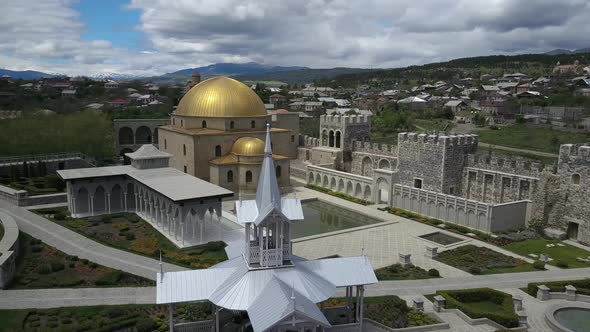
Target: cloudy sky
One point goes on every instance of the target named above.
(145, 37)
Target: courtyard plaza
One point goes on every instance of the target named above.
(380, 242)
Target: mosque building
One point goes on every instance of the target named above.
(217, 132)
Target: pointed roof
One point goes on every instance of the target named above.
(148, 151)
(268, 195)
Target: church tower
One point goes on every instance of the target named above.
(268, 218)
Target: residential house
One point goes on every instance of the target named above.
(68, 93)
(412, 103)
(307, 106)
(119, 102)
(456, 105)
(277, 99)
(111, 85)
(508, 86)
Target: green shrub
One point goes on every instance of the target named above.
(115, 312)
(60, 216)
(433, 273)
(57, 266)
(43, 269)
(146, 325)
(474, 270)
(93, 265)
(461, 300)
(36, 249)
(109, 279)
(85, 261)
(539, 265)
(562, 264)
(72, 265)
(130, 237)
(215, 246)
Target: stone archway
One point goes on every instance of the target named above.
(384, 164)
(382, 191)
(331, 139)
(99, 201)
(367, 167)
(131, 197)
(325, 182)
(82, 201)
(143, 135)
(367, 195)
(358, 191)
(340, 185)
(116, 199)
(324, 137)
(349, 188)
(338, 139)
(126, 135)
(310, 179)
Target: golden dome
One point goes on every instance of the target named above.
(221, 97)
(248, 146)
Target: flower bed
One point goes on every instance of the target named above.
(408, 272)
(483, 302)
(42, 266)
(481, 260)
(127, 231)
(338, 194)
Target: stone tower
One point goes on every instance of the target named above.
(434, 162)
(337, 133)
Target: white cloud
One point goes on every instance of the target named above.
(46, 34)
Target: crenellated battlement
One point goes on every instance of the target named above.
(308, 141)
(574, 153)
(512, 165)
(374, 148)
(339, 120)
(436, 139)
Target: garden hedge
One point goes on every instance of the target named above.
(461, 299)
(582, 286)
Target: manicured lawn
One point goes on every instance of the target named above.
(537, 139)
(127, 231)
(433, 125)
(409, 272)
(388, 310)
(481, 302)
(566, 254)
(101, 318)
(42, 266)
(481, 260)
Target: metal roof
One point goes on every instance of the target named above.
(148, 151)
(279, 303)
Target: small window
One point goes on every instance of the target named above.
(576, 178)
(184, 149)
(418, 183)
(185, 168)
(231, 125)
(253, 124)
(230, 176)
(165, 144)
(182, 123)
(452, 190)
(292, 138)
(204, 124)
(173, 121)
(278, 171)
(248, 177)
(218, 151)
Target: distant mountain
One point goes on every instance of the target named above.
(560, 51)
(306, 75)
(227, 69)
(25, 74)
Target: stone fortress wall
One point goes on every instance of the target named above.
(562, 202)
(513, 189)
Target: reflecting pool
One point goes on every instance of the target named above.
(323, 217)
(575, 319)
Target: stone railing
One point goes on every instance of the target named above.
(484, 217)
(42, 157)
(22, 197)
(352, 327)
(354, 185)
(570, 294)
(202, 326)
(8, 249)
(376, 326)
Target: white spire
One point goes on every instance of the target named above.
(267, 192)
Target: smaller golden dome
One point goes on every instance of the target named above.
(248, 146)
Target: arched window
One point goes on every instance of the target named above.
(204, 124)
(278, 171)
(217, 151)
(231, 125)
(173, 121)
(184, 149)
(576, 178)
(230, 176)
(253, 124)
(248, 177)
(165, 144)
(182, 123)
